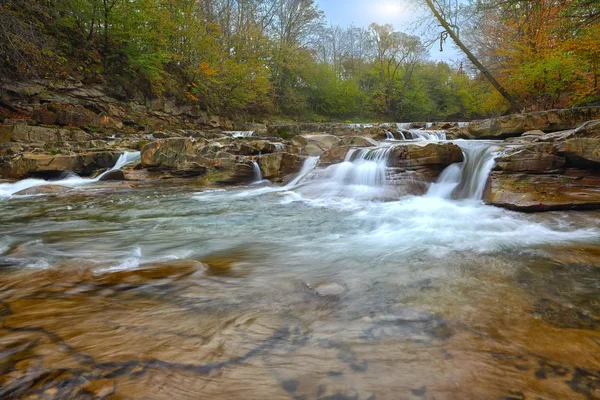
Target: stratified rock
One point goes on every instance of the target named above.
(44, 189)
(516, 124)
(38, 134)
(538, 157)
(425, 154)
(39, 164)
(278, 165)
(170, 152)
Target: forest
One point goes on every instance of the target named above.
(282, 58)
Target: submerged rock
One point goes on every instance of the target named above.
(329, 290)
(315, 145)
(44, 190)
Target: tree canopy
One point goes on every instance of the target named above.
(281, 57)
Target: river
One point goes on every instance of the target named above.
(321, 289)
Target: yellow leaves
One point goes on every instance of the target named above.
(206, 69)
(191, 96)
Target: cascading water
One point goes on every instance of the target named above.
(404, 125)
(418, 134)
(361, 176)
(466, 180)
(72, 180)
(257, 174)
(389, 135)
(240, 134)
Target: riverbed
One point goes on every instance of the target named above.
(264, 292)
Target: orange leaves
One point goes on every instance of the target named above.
(206, 69)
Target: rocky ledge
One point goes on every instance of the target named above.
(544, 172)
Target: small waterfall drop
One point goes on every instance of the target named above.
(71, 180)
(389, 135)
(404, 125)
(240, 134)
(257, 174)
(309, 164)
(361, 176)
(466, 180)
(418, 134)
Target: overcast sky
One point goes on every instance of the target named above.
(400, 13)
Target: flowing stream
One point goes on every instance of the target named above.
(326, 288)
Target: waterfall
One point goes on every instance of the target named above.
(360, 126)
(402, 134)
(71, 180)
(240, 134)
(418, 134)
(404, 125)
(466, 180)
(361, 176)
(389, 135)
(309, 164)
(257, 174)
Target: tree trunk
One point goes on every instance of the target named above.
(513, 104)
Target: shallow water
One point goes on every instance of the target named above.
(260, 293)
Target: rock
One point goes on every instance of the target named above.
(111, 123)
(28, 164)
(169, 152)
(39, 134)
(314, 145)
(277, 165)
(582, 152)
(44, 189)
(517, 124)
(329, 290)
(78, 116)
(425, 154)
(573, 190)
(356, 141)
(334, 155)
(539, 157)
(535, 132)
(116, 175)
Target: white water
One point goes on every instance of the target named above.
(418, 134)
(404, 125)
(389, 135)
(360, 126)
(257, 174)
(240, 134)
(361, 176)
(466, 180)
(72, 180)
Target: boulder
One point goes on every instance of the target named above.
(28, 164)
(425, 154)
(314, 145)
(356, 141)
(278, 165)
(334, 155)
(116, 175)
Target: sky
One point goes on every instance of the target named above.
(401, 13)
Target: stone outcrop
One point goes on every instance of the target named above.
(517, 124)
(22, 133)
(556, 171)
(45, 165)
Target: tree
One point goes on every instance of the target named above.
(438, 12)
